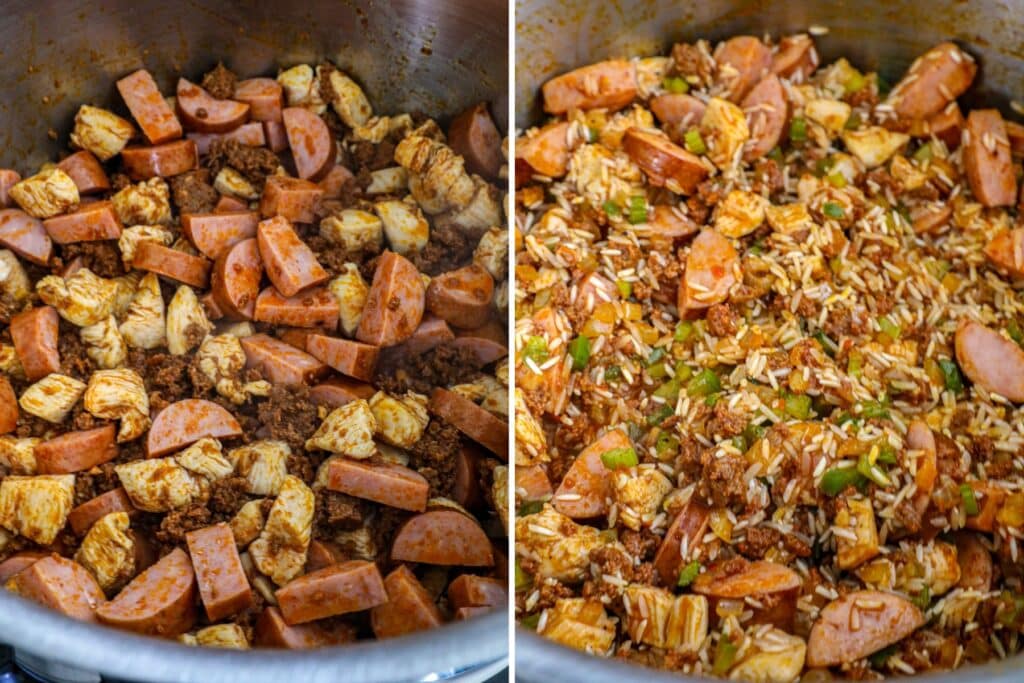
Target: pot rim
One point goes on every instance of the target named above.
(449, 649)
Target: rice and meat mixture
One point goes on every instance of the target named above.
(769, 367)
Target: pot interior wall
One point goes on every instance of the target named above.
(436, 57)
(886, 35)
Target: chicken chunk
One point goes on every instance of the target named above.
(104, 343)
(347, 430)
(347, 99)
(301, 89)
(206, 459)
(101, 132)
(108, 552)
(36, 507)
(131, 237)
(560, 546)
(581, 624)
(52, 397)
(491, 253)
(46, 194)
(119, 394)
(264, 464)
(18, 454)
(248, 522)
(724, 127)
(350, 290)
(187, 324)
(14, 282)
(280, 550)
(639, 496)
(531, 444)
(221, 359)
(83, 298)
(146, 203)
(160, 484)
(656, 617)
(400, 421)
(740, 213)
(143, 326)
(405, 227)
(354, 230)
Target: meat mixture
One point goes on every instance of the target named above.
(769, 359)
(248, 395)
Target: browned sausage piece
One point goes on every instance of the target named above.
(990, 360)
(461, 297)
(466, 480)
(947, 125)
(742, 61)
(927, 218)
(228, 204)
(975, 562)
(766, 110)
(409, 607)
(76, 451)
(322, 555)
(987, 159)
(160, 601)
(8, 406)
(314, 307)
(264, 97)
(223, 585)
(839, 637)
(484, 351)
(710, 272)
(463, 613)
(235, 280)
(294, 199)
(34, 333)
(606, 85)
(382, 482)
(473, 135)
(678, 109)
(311, 141)
(665, 163)
(351, 586)
(936, 78)
(177, 265)
(1006, 252)
(472, 420)
(18, 562)
(431, 333)
(1015, 132)
(690, 524)
(281, 363)
(149, 108)
(25, 236)
(670, 222)
(547, 152)
(185, 422)
(394, 304)
(8, 179)
(164, 161)
(532, 483)
(587, 486)
(444, 537)
(204, 113)
(296, 336)
(214, 233)
(774, 586)
(334, 181)
(470, 590)
(60, 584)
(90, 223)
(290, 264)
(250, 134)
(347, 357)
(796, 59)
(82, 517)
(86, 172)
(272, 631)
(277, 137)
(339, 391)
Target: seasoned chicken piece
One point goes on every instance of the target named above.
(934, 565)
(104, 343)
(346, 97)
(491, 253)
(405, 227)
(740, 213)
(829, 114)
(499, 494)
(227, 636)
(639, 494)
(18, 454)
(874, 145)
(301, 89)
(531, 444)
(101, 132)
(580, 623)
(108, 552)
(143, 326)
(10, 364)
(221, 359)
(206, 459)
(400, 421)
(615, 128)
(239, 329)
(131, 237)
(14, 282)
(724, 128)
(358, 543)
(856, 516)
(496, 401)
(233, 184)
(377, 128)
(656, 617)
(393, 180)
(119, 394)
(187, 324)
(36, 507)
(83, 298)
(347, 430)
(788, 218)
(264, 464)
(560, 546)
(350, 290)
(478, 389)
(773, 657)
(354, 230)
(248, 522)
(280, 550)
(52, 397)
(145, 203)
(46, 194)
(483, 211)
(160, 484)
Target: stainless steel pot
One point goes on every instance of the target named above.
(435, 57)
(553, 36)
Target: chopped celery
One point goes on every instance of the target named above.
(579, 349)
(619, 457)
(969, 499)
(837, 479)
(676, 85)
(798, 406)
(688, 573)
(951, 375)
(536, 349)
(706, 382)
(694, 142)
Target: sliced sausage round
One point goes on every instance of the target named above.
(223, 585)
(34, 333)
(394, 304)
(766, 110)
(235, 281)
(314, 307)
(663, 161)
(443, 537)
(163, 161)
(281, 363)
(290, 264)
(679, 110)
(607, 85)
(25, 236)
(265, 98)
(60, 584)
(470, 590)
(250, 134)
(18, 562)
(987, 159)
(937, 77)
(339, 391)
(689, 524)
(82, 517)
(272, 631)
(990, 360)
(409, 607)
(89, 223)
(311, 141)
(976, 567)
(587, 486)
(547, 152)
(86, 172)
(461, 297)
(185, 422)
(742, 61)
(472, 420)
(172, 263)
(710, 272)
(796, 59)
(351, 586)
(473, 135)
(202, 112)
(382, 482)
(838, 637)
(8, 406)
(344, 355)
(149, 108)
(160, 601)
(76, 451)
(213, 234)
(294, 199)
